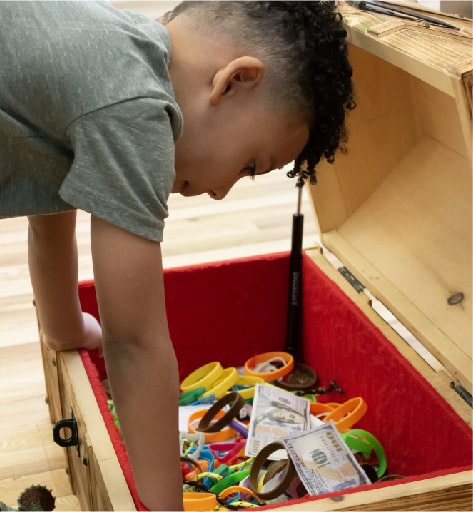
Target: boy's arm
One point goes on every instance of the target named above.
(140, 360)
(52, 260)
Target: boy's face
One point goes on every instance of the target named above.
(212, 157)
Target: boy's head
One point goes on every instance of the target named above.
(284, 68)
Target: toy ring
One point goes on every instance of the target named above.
(252, 365)
(347, 414)
(259, 461)
(206, 425)
(210, 437)
(202, 377)
(199, 501)
(301, 377)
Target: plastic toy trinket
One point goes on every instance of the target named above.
(36, 497)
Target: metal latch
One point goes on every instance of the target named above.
(66, 433)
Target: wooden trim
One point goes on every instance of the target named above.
(103, 454)
(449, 492)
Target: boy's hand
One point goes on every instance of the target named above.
(92, 332)
(91, 337)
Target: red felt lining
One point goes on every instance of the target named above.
(231, 310)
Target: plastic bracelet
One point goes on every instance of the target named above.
(199, 501)
(224, 382)
(240, 465)
(347, 414)
(260, 459)
(206, 425)
(233, 489)
(191, 396)
(209, 474)
(239, 504)
(229, 481)
(193, 464)
(197, 438)
(273, 469)
(203, 377)
(210, 437)
(227, 452)
(278, 373)
(356, 438)
(301, 377)
(248, 383)
(317, 408)
(357, 445)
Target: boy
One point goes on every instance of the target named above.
(108, 111)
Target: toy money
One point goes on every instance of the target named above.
(323, 461)
(276, 414)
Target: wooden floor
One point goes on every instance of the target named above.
(255, 218)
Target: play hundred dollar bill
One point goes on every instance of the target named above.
(276, 414)
(323, 461)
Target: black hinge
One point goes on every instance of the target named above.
(462, 392)
(351, 279)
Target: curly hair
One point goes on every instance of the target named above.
(304, 48)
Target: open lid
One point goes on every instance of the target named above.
(396, 207)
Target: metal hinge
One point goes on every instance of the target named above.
(464, 394)
(351, 279)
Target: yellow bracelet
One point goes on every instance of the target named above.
(249, 384)
(203, 377)
(225, 381)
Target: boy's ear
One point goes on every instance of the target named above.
(241, 73)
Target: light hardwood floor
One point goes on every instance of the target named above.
(255, 218)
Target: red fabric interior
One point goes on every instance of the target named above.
(231, 310)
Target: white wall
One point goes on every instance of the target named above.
(461, 7)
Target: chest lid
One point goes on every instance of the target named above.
(396, 207)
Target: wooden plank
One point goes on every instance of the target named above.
(94, 437)
(437, 55)
(449, 492)
(403, 245)
(397, 207)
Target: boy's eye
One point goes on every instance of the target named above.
(250, 170)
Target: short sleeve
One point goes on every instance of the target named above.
(123, 164)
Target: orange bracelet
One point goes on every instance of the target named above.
(238, 489)
(210, 437)
(199, 501)
(317, 408)
(260, 359)
(347, 414)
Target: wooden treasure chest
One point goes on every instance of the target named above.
(394, 213)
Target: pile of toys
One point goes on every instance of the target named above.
(257, 435)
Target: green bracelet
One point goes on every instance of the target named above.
(362, 441)
(231, 479)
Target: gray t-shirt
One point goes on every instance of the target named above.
(88, 117)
